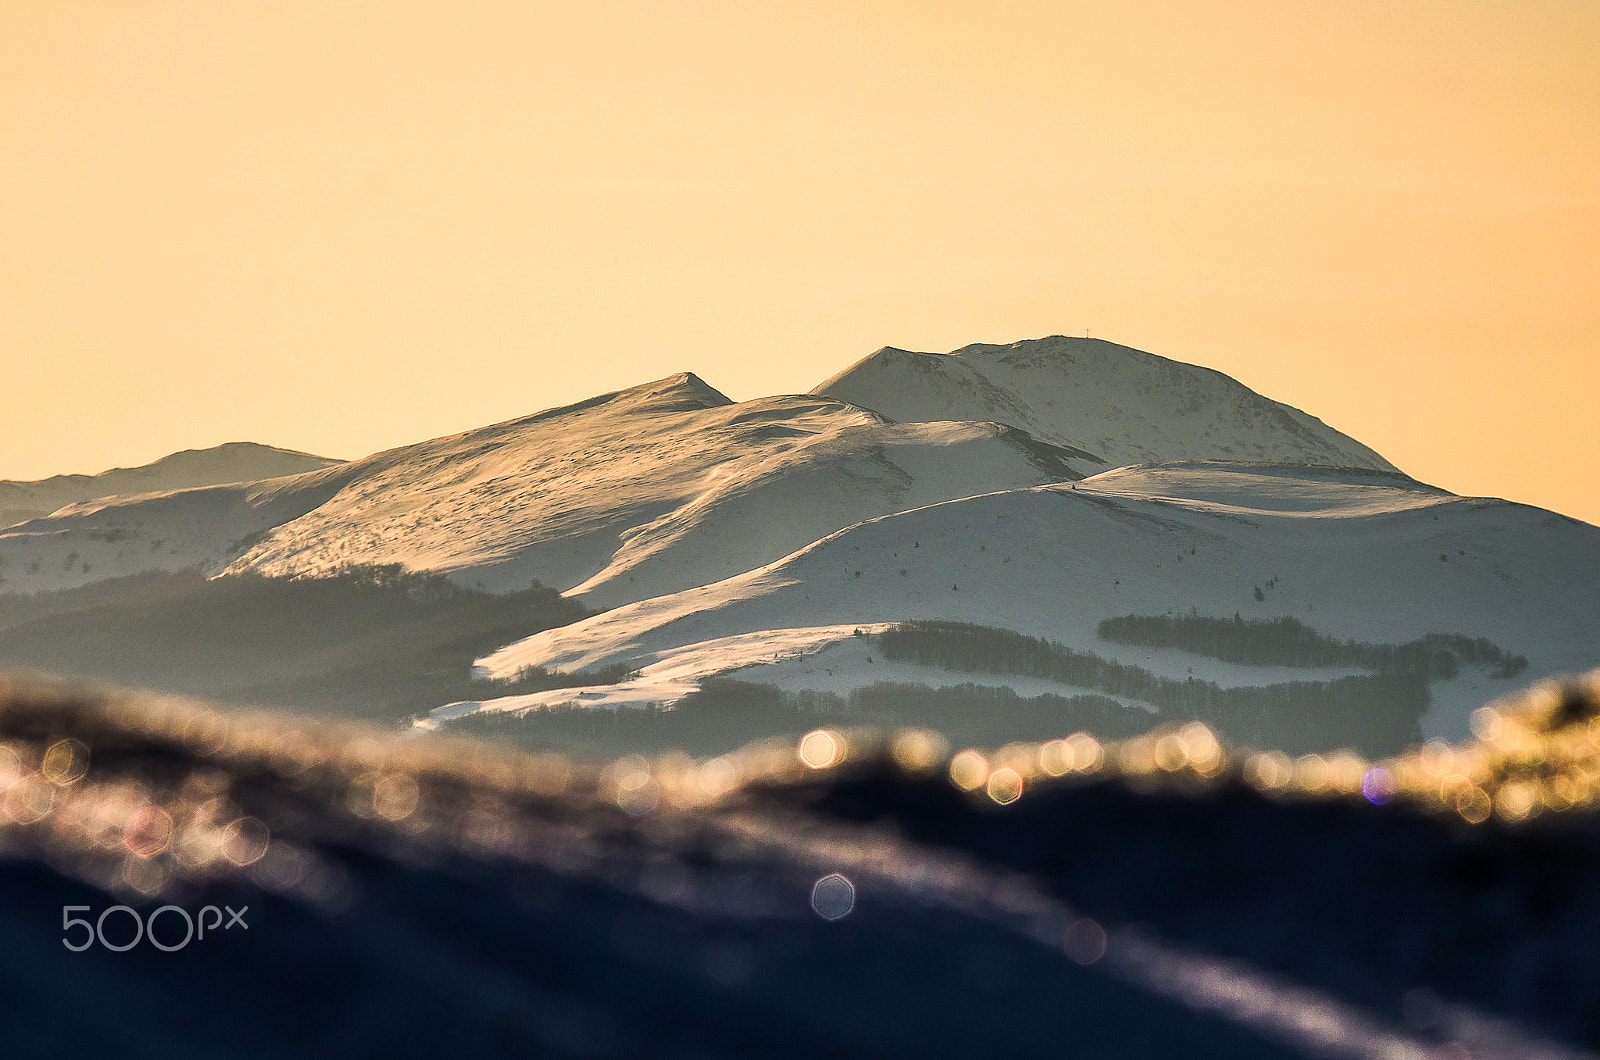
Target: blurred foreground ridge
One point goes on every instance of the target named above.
(853, 894)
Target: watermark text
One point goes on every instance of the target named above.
(177, 927)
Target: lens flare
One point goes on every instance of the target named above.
(1084, 941)
(1087, 753)
(1378, 785)
(819, 749)
(833, 897)
(1202, 749)
(638, 793)
(718, 777)
(245, 840)
(1170, 753)
(1269, 772)
(11, 769)
(1516, 801)
(29, 800)
(918, 750)
(394, 798)
(1005, 786)
(1055, 758)
(1311, 773)
(65, 763)
(147, 832)
(1473, 804)
(969, 769)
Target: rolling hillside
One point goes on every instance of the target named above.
(1356, 555)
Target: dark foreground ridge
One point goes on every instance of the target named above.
(857, 896)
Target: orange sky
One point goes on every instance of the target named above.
(345, 226)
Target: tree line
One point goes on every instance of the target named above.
(1372, 713)
(724, 715)
(1289, 642)
(378, 642)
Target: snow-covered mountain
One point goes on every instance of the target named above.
(1121, 404)
(756, 538)
(230, 462)
(629, 495)
(669, 485)
(1359, 555)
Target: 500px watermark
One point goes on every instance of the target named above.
(194, 927)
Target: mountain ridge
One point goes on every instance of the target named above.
(640, 491)
(187, 469)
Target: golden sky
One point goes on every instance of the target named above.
(342, 226)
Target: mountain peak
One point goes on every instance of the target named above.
(1059, 349)
(1120, 403)
(233, 454)
(679, 392)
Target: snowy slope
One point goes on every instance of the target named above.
(231, 462)
(1353, 554)
(629, 495)
(201, 528)
(1121, 404)
(648, 491)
